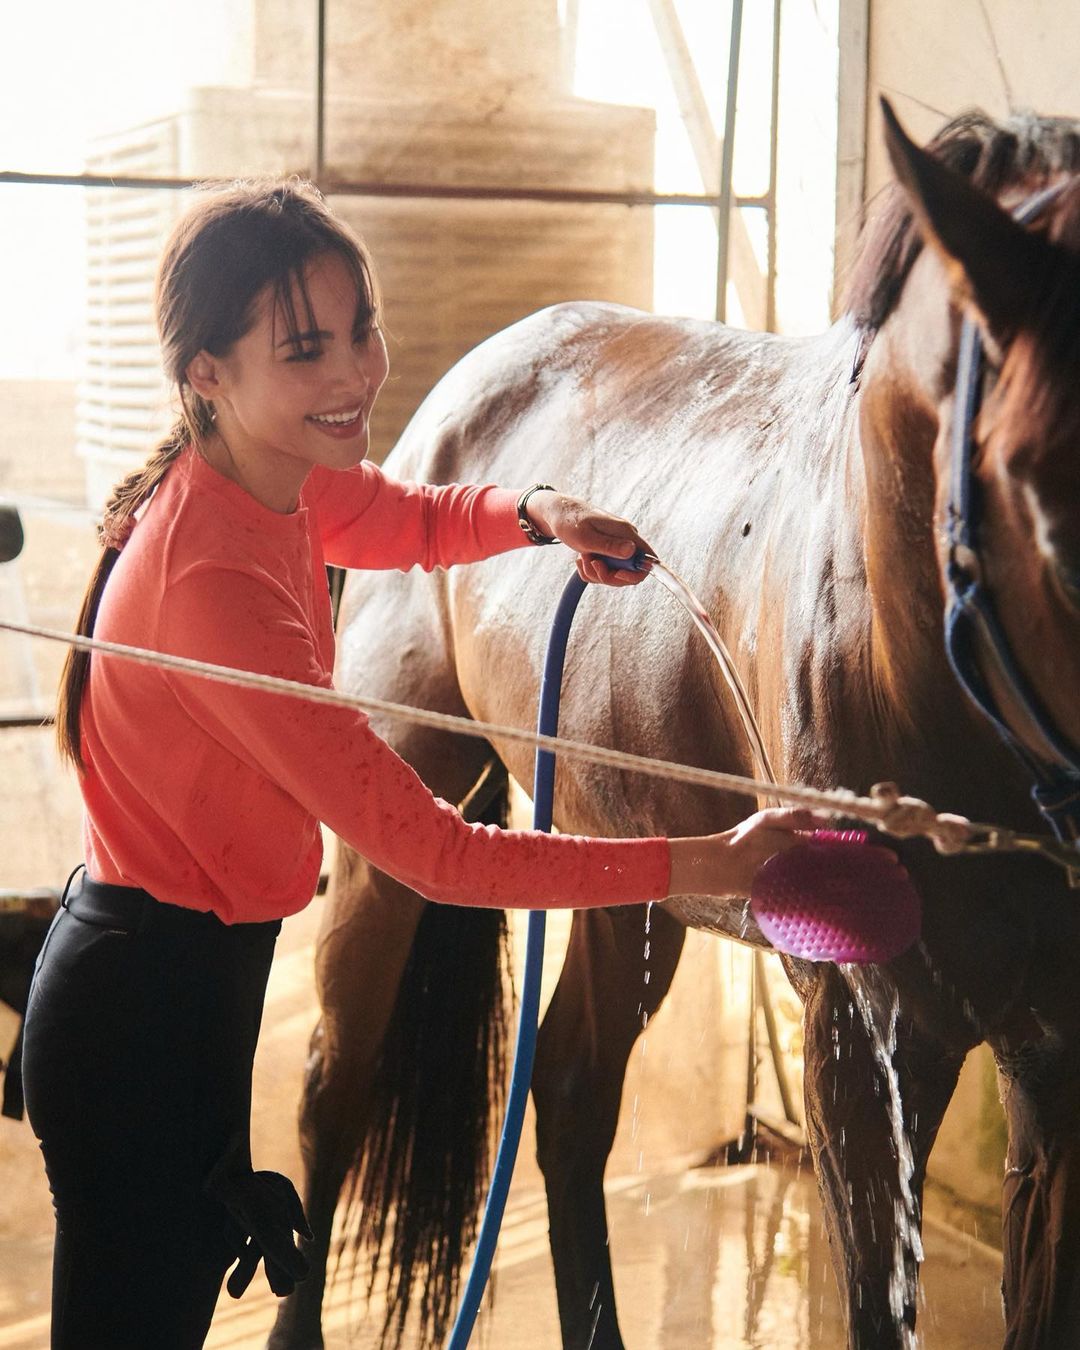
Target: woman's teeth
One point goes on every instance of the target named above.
(336, 419)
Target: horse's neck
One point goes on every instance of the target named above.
(848, 585)
(896, 435)
(925, 726)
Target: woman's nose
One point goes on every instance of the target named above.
(372, 360)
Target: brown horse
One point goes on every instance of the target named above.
(800, 486)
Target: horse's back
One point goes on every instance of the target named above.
(579, 369)
(685, 426)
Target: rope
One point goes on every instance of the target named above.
(885, 808)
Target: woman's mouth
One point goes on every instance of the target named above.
(338, 424)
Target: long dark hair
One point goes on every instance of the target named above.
(221, 256)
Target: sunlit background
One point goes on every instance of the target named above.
(120, 67)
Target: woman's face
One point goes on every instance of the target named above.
(284, 404)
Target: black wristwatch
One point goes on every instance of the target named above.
(531, 532)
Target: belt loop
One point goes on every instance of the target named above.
(67, 884)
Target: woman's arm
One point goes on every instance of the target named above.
(369, 520)
(334, 766)
(725, 864)
(330, 762)
(589, 532)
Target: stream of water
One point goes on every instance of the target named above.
(906, 1227)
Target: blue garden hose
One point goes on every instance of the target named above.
(528, 1020)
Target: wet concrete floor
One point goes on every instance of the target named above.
(711, 1259)
(707, 1259)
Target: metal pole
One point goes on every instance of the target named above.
(320, 91)
(774, 141)
(346, 187)
(723, 224)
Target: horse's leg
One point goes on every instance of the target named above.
(365, 939)
(1040, 1074)
(596, 1014)
(870, 1185)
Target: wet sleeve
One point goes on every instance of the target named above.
(330, 761)
(366, 519)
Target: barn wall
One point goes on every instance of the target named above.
(936, 60)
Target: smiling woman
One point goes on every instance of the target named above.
(144, 1013)
(285, 404)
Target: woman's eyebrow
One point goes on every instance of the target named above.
(314, 335)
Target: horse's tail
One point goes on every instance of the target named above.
(423, 1166)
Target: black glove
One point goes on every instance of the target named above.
(267, 1210)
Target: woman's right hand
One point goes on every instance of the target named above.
(725, 864)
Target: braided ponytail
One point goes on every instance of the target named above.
(118, 520)
(117, 523)
(221, 256)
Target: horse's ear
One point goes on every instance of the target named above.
(993, 263)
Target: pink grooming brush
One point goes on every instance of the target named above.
(837, 898)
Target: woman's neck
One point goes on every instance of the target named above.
(272, 480)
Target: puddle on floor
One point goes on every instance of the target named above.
(710, 1259)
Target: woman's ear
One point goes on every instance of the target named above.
(204, 376)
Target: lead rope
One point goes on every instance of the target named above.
(886, 808)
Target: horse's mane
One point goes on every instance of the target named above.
(1036, 401)
(1025, 150)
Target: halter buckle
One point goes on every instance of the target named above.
(964, 563)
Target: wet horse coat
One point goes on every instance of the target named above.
(804, 508)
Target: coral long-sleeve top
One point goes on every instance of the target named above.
(210, 796)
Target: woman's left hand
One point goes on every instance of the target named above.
(590, 532)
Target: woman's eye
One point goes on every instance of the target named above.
(363, 335)
(310, 354)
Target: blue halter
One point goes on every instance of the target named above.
(974, 637)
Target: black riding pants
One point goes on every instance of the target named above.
(139, 1038)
